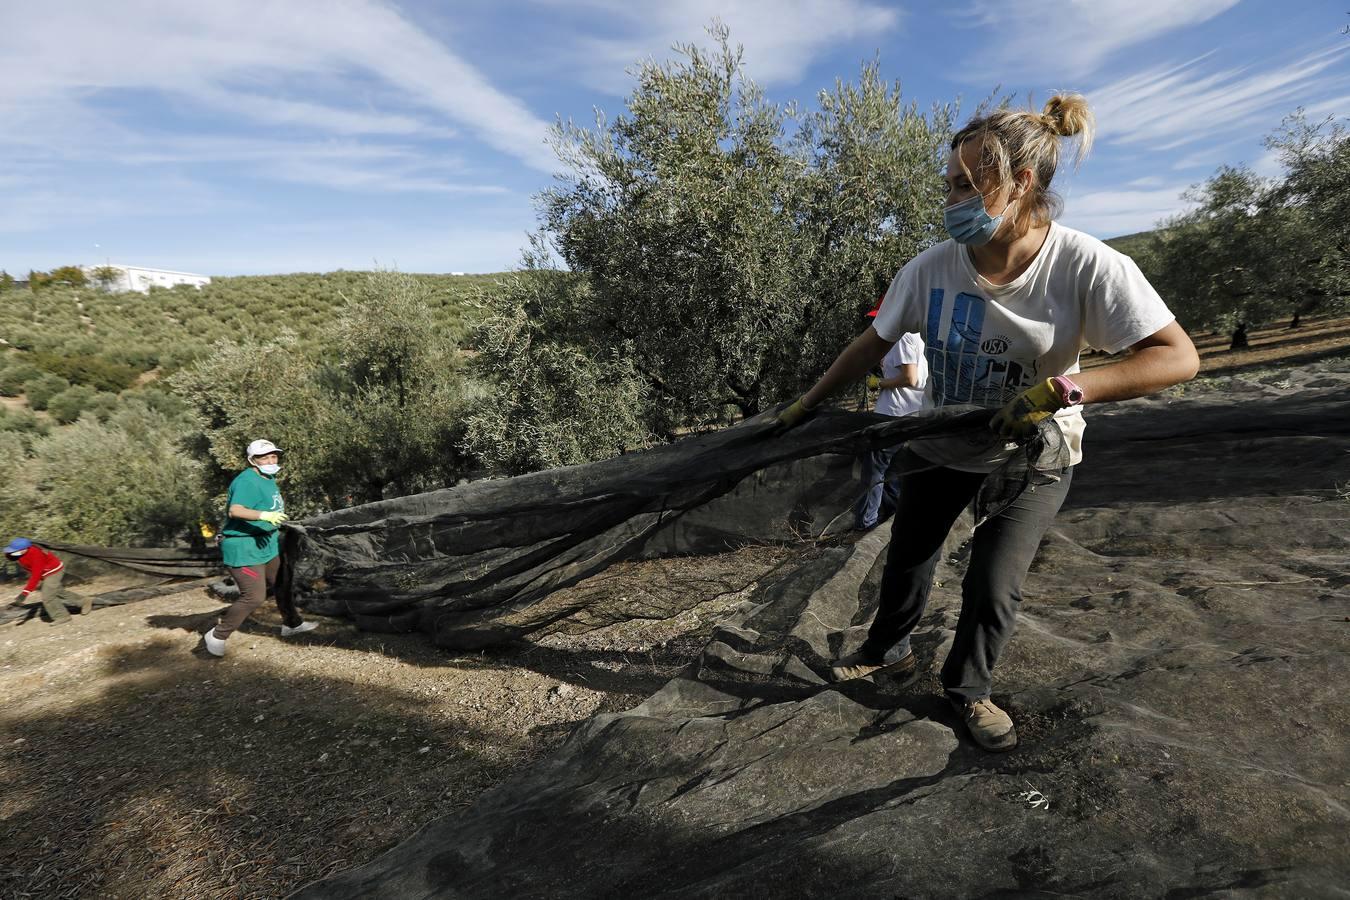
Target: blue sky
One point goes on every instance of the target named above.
(237, 137)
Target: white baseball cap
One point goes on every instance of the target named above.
(261, 448)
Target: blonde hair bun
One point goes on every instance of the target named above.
(1068, 114)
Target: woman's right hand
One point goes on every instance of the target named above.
(793, 415)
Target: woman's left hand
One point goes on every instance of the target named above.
(1022, 414)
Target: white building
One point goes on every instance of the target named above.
(135, 278)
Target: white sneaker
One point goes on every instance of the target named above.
(214, 645)
(287, 631)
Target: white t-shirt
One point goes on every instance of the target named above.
(901, 401)
(987, 343)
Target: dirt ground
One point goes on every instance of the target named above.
(18, 403)
(1275, 344)
(134, 765)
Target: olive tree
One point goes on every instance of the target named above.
(679, 216)
(106, 276)
(870, 200)
(66, 406)
(126, 482)
(710, 246)
(548, 396)
(395, 392)
(1212, 259)
(1316, 157)
(18, 488)
(1253, 249)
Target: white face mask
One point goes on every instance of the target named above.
(270, 468)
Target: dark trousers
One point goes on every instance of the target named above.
(1001, 552)
(256, 584)
(879, 492)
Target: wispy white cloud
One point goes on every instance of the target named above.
(246, 57)
(339, 163)
(781, 39)
(1335, 107)
(264, 150)
(1173, 106)
(1206, 157)
(1075, 38)
(1113, 212)
(154, 176)
(48, 204)
(152, 109)
(446, 248)
(317, 116)
(362, 178)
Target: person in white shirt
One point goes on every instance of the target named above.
(903, 384)
(1004, 309)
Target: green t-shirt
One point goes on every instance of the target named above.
(244, 542)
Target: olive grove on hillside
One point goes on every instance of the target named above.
(369, 410)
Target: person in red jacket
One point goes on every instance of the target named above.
(45, 574)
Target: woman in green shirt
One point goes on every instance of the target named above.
(250, 546)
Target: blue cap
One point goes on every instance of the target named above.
(18, 545)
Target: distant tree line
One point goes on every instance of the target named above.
(1256, 249)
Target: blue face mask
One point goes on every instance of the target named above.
(269, 469)
(968, 222)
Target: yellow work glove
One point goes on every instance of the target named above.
(1020, 417)
(873, 382)
(272, 518)
(793, 415)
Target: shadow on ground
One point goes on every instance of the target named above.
(183, 777)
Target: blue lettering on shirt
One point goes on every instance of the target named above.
(958, 369)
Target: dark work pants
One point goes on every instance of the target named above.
(256, 584)
(879, 492)
(1001, 553)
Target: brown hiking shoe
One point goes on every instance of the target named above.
(856, 665)
(990, 726)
